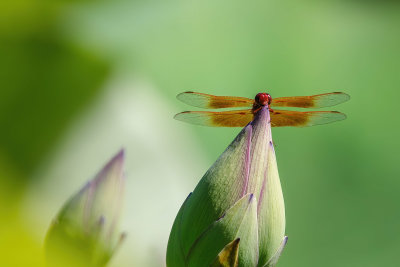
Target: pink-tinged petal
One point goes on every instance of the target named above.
(271, 211)
(221, 186)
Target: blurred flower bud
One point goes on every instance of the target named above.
(84, 232)
(235, 215)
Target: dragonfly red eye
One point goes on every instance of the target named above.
(263, 99)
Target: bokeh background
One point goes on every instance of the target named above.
(81, 79)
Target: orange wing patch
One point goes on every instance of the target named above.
(281, 118)
(213, 102)
(236, 118)
(314, 101)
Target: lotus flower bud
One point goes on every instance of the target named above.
(235, 215)
(84, 232)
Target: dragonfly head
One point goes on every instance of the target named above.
(263, 99)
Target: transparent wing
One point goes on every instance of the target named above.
(235, 118)
(213, 102)
(281, 118)
(314, 101)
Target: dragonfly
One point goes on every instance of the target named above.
(279, 117)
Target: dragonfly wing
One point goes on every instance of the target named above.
(314, 101)
(235, 118)
(281, 118)
(213, 102)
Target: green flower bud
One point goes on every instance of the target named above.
(84, 232)
(239, 197)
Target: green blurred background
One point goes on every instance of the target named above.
(81, 79)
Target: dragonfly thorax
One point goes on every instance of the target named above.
(263, 99)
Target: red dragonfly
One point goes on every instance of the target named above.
(279, 118)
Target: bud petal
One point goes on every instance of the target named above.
(271, 212)
(240, 221)
(272, 261)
